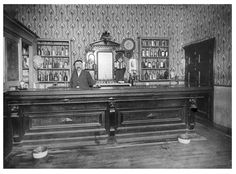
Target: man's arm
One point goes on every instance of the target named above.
(91, 82)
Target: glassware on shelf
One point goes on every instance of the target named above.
(166, 52)
(142, 64)
(146, 76)
(62, 51)
(146, 63)
(149, 64)
(154, 59)
(67, 51)
(163, 53)
(154, 64)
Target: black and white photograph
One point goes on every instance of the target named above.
(117, 85)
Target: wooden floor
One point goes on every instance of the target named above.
(213, 151)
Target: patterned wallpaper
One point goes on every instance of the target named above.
(83, 24)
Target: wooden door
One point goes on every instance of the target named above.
(199, 72)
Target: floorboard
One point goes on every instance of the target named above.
(213, 151)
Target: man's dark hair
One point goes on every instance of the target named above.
(78, 60)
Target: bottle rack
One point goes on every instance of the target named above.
(154, 59)
(56, 68)
(25, 64)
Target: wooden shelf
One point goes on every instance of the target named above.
(53, 81)
(54, 69)
(151, 46)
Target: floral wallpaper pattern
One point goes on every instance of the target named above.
(182, 24)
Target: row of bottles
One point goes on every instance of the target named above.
(53, 76)
(25, 62)
(60, 50)
(154, 75)
(25, 65)
(55, 63)
(90, 65)
(154, 63)
(155, 52)
(155, 43)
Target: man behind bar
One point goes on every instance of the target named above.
(81, 78)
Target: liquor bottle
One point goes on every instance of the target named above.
(149, 64)
(116, 64)
(56, 76)
(62, 51)
(67, 51)
(142, 64)
(161, 64)
(164, 63)
(154, 75)
(167, 43)
(49, 52)
(157, 64)
(163, 43)
(39, 50)
(153, 64)
(53, 51)
(150, 75)
(162, 52)
(46, 76)
(50, 76)
(151, 52)
(147, 52)
(42, 51)
(159, 52)
(157, 43)
(146, 63)
(143, 43)
(39, 76)
(53, 63)
(166, 74)
(49, 63)
(153, 44)
(158, 75)
(146, 76)
(155, 52)
(58, 51)
(56, 63)
(65, 64)
(161, 75)
(166, 53)
(60, 64)
(60, 77)
(65, 78)
(143, 52)
(142, 77)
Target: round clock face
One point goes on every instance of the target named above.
(129, 44)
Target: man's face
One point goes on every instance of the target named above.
(78, 66)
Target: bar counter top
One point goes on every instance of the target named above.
(125, 89)
(103, 93)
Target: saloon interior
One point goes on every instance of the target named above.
(163, 92)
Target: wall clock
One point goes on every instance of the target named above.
(128, 44)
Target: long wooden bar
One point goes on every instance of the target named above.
(98, 112)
